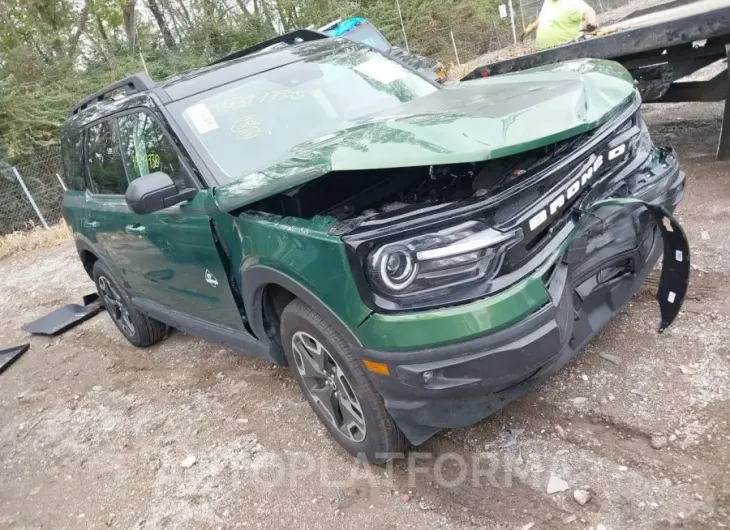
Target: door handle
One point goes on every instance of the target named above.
(135, 229)
(91, 224)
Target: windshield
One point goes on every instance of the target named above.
(251, 124)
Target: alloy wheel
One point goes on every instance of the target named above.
(115, 306)
(328, 386)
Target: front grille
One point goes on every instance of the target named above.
(520, 205)
(518, 255)
(515, 206)
(516, 168)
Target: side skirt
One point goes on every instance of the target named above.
(238, 340)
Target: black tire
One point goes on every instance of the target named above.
(137, 328)
(381, 439)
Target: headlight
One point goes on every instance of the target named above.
(427, 263)
(397, 268)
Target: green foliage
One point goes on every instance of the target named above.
(55, 52)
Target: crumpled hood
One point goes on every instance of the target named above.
(477, 120)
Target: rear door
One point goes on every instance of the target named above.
(168, 257)
(104, 205)
(74, 202)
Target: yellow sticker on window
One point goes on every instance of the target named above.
(153, 160)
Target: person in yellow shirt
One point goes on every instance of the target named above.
(560, 22)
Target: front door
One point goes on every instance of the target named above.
(168, 257)
(175, 262)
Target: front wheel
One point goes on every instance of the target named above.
(336, 386)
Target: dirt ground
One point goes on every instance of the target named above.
(186, 434)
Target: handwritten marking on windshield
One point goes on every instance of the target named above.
(246, 128)
(272, 96)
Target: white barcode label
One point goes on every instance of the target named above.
(201, 118)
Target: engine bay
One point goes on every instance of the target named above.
(367, 194)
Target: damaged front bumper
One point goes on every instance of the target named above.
(597, 268)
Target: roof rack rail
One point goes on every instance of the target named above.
(293, 37)
(133, 83)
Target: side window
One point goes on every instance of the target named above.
(105, 165)
(146, 148)
(73, 160)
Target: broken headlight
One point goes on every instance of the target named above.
(427, 263)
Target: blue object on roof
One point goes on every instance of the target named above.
(346, 26)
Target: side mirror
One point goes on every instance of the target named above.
(155, 192)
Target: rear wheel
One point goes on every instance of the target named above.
(137, 328)
(334, 382)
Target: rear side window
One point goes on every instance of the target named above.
(147, 149)
(106, 172)
(73, 160)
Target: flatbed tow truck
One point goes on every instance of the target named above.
(659, 46)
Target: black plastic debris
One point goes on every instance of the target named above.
(674, 280)
(10, 355)
(66, 317)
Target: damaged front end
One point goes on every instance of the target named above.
(427, 237)
(481, 280)
(588, 226)
(490, 254)
(466, 232)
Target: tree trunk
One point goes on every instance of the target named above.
(160, 19)
(283, 19)
(215, 40)
(73, 41)
(269, 19)
(173, 18)
(99, 47)
(46, 16)
(128, 16)
(102, 31)
(244, 10)
(185, 12)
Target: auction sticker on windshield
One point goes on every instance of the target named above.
(201, 118)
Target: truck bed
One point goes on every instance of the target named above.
(653, 31)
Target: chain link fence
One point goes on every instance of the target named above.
(31, 194)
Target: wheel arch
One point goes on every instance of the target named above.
(88, 256)
(259, 281)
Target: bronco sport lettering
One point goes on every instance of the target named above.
(574, 188)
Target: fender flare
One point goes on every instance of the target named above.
(83, 244)
(257, 277)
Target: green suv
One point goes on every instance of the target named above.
(418, 255)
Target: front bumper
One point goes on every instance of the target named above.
(588, 283)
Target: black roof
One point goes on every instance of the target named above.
(133, 83)
(292, 47)
(139, 86)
